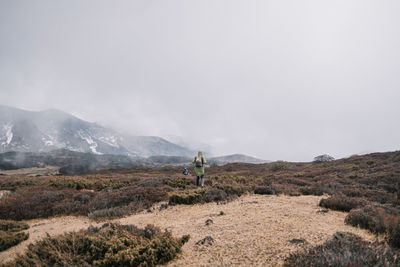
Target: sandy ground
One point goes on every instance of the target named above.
(254, 229)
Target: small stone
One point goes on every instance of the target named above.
(297, 241)
(322, 211)
(209, 221)
(163, 207)
(208, 240)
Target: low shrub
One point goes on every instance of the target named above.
(393, 235)
(35, 202)
(186, 197)
(377, 219)
(215, 195)
(298, 182)
(264, 190)
(108, 245)
(345, 249)
(115, 212)
(231, 190)
(10, 239)
(311, 190)
(138, 198)
(341, 203)
(180, 182)
(45, 201)
(12, 226)
(10, 233)
(278, 166)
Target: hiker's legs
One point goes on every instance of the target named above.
(197, 180)
(202, 180)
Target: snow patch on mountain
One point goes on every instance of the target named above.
(92, 144)
(7, 128)
(110, 140)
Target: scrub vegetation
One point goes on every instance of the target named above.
(108, 245)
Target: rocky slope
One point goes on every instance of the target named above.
(43, 131)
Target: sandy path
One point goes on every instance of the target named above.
(254, 230)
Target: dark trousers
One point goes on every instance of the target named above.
(200, 179)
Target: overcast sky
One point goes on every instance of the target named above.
(278, 79)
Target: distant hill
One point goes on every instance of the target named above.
(44, 131)
(235, 158)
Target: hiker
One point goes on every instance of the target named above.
(199, 162)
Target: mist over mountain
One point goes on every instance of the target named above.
(222, 160)
(44, 131)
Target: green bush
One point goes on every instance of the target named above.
(108, 245)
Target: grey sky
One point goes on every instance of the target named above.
(274, 79)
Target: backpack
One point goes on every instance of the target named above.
(199, 162)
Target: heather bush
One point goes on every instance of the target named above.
(79, 183)
(12, 226)
(264, 190)
(180, 182)
(311, 190)
(278, 166)
(45, 201)
(116, 212)
(231, 190)
(108, 245)
(344, 249)
(364, 218)
(10, 239)
(215, 195)
(341, 202)
(141, 197)
(298, 182)
(186, 197)
(393, 235)
(35, 202)
(11, 233)
(376, 218)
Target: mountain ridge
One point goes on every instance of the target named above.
(43, 131)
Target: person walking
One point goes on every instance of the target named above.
(199, 162)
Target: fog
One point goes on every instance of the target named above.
(282, 80)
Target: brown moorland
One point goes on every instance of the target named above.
(365, 186)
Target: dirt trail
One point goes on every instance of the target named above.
(253, 231)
